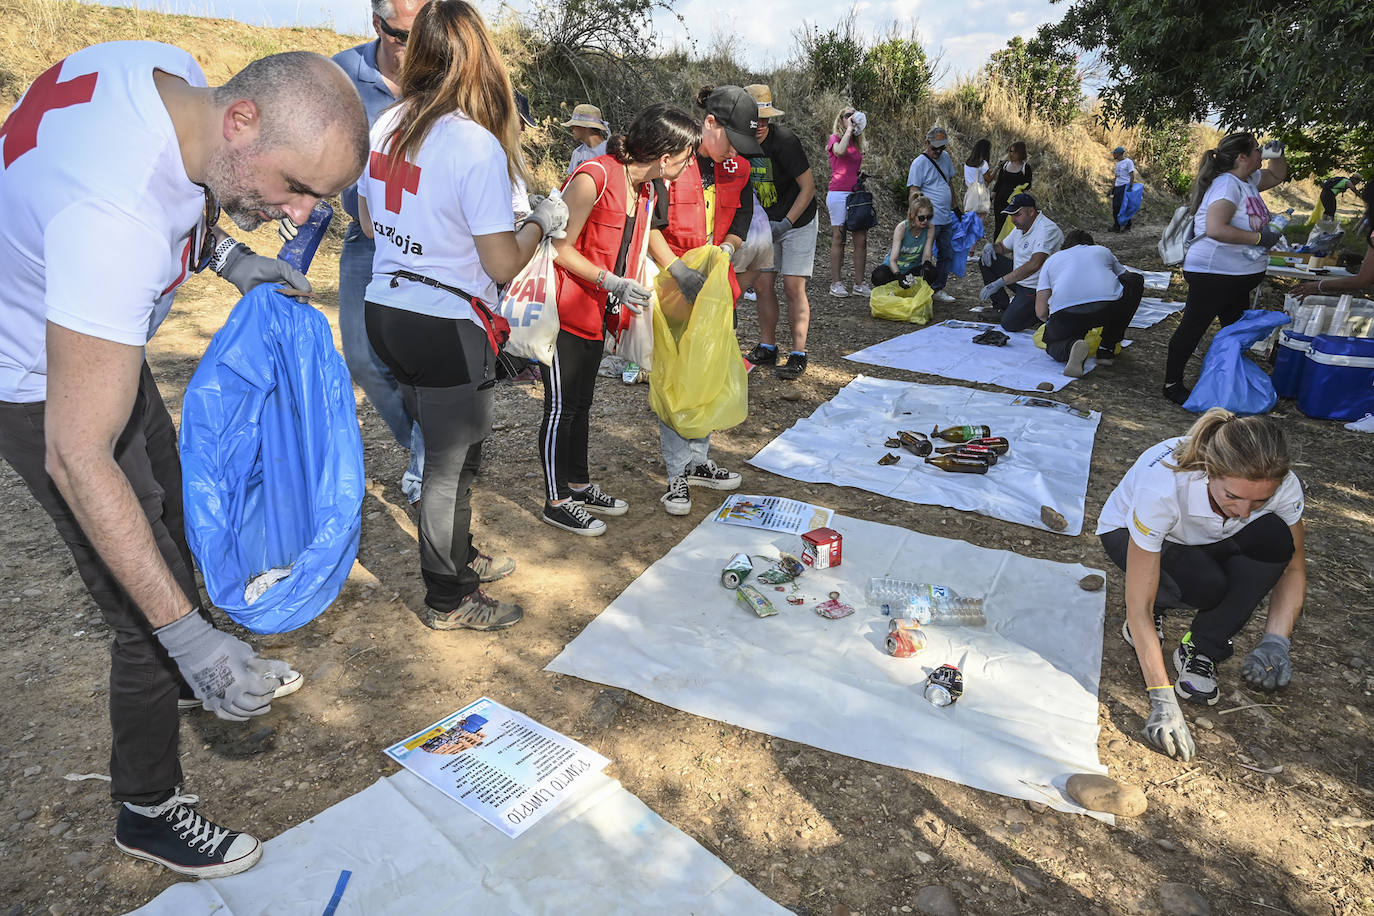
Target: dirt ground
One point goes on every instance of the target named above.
(1272, 817)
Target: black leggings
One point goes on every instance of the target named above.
(1220, 296)
(1224, 582)
(569, 385)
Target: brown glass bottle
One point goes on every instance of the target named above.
(959, 464)
(982, 453)
(998, 444)
(916, 443)
(961, 433)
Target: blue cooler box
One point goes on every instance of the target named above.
(1290, 362)
(1338, 380)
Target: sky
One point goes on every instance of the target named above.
(964, 33)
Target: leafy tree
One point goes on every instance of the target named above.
(835, 57)
(1046, 80)
(900, 72)
(1301, 71)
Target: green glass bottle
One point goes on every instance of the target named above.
(961, 433)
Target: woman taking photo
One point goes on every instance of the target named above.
(845, 147)
(437, 198)
(1209, 522)
(1011, 177)
(1228, 256)
(599, 265)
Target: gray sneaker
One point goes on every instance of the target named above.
(489, 569)
(1197, 674)
(1159, 630)
(478, 611)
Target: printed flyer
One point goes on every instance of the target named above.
(773, 513)
(499, 764)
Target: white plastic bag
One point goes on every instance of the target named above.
(636, 342)
(977, 199)
(530, 304)
(760, 238)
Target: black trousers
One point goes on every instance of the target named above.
(1016, 302)
(1220, 296)
(144, 682)
(1068, 326)
(1118, 197)
(569, 386)
(1224, 582)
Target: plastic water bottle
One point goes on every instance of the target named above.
(301, 250)
(1278, 223)
(934, 605)
(1341, 315)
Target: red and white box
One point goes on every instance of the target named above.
(821, 548)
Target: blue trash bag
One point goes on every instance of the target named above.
(968, 229)
(1229, 379)
(272, 463)
(1130, 202)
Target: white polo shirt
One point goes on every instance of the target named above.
(1043, 235)
(1081, 274)
(1156, 503)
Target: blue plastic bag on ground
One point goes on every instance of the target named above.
(272, 464)
(1229, 379)
(1130, 202)
(968, 229)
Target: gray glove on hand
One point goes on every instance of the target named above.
(989, 255)
(688, 280)
(247, 270)
(780, 227)
(987, 292)
(1269, 237)
(1268, 666)
(226, 674)
(630, 294)
(1166, 728)
(550, 215)
(287, 229)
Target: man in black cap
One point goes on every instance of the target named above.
(1013, 266)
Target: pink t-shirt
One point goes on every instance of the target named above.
(844, 170)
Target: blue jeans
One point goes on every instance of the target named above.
(368, 371)
(944, 254)
(680, 453)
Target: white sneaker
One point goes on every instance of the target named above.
(942, 296)
(838, 290)
(862, 289)
(750, 294)
(678, 499)
(1078, 355)
(293, 681)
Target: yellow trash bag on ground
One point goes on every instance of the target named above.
(698, 384)
(892, 302)
(1093, 337)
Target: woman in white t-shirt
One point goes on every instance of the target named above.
(977, 197)
(436, 196)
(1210, 522)
(1228, 256)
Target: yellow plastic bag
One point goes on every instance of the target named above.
(1093, 337)
(698, 384)
(892, 302)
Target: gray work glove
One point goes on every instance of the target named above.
(632, 295)
(226, 674)
(780, 227)
(246, 270)
(550, 215)
(1268, 666)
(287, 229)
(1166, 728)
(989, 255)
(1269, 237)
(1272, 150)
(688, 280)
(988, 291)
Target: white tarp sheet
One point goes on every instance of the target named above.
(947, 349)
(842, 441)
(412, 850)
(1028, 716)
(1154, 279)
(1153, 311)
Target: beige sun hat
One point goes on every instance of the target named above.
(764, 97)
(587, 116)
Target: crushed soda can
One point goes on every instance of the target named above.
(822, 548)
(902, 623)
(833, 609)
(736, 571)
(944, 685)
(904, 643)
(755, 601)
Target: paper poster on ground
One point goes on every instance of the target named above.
(499, 764)
(773, 513)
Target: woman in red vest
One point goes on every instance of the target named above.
(599, 267)
(710, 204)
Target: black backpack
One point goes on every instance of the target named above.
(859, 212)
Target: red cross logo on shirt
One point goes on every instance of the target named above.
(399, 179)
(20, 130)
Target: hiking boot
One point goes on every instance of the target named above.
(1159, 630)
(1177, 392)
(678, 499)
(489, 569)
(942, 296)
(1078, 355)
(1105, 356)
(838, 290)
(707, 474)
(862, 289)
(177, 838)
(795, 366)
(479, 611)
(1197, 674)
(571, 516)
(294, 681)
(762, 356)
(593, 500)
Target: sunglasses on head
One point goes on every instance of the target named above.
(401, 35)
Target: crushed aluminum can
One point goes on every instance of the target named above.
(904, 643)
(902, 623)
(736, 571)
(755, 601)
(944, 686)
(834, 609)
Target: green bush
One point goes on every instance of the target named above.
(835, 59)
(899, 73)
(1044, 79)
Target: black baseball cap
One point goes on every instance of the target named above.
(1019, 201)
(522, 106)
(738, 113)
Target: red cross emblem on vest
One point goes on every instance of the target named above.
(20, 131)
(401, 177)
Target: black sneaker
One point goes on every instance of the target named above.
(294, 681)
(593, 500)
(479, 611)
(707, 474)
(489, 569)
(678, 499)
(1105, 357)
(1178, 393)
(762, 356)
(1197, 674)
(795, 366)
(1159, 630)
(572, 516)
(175, 837)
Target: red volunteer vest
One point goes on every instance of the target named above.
(686, 227)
